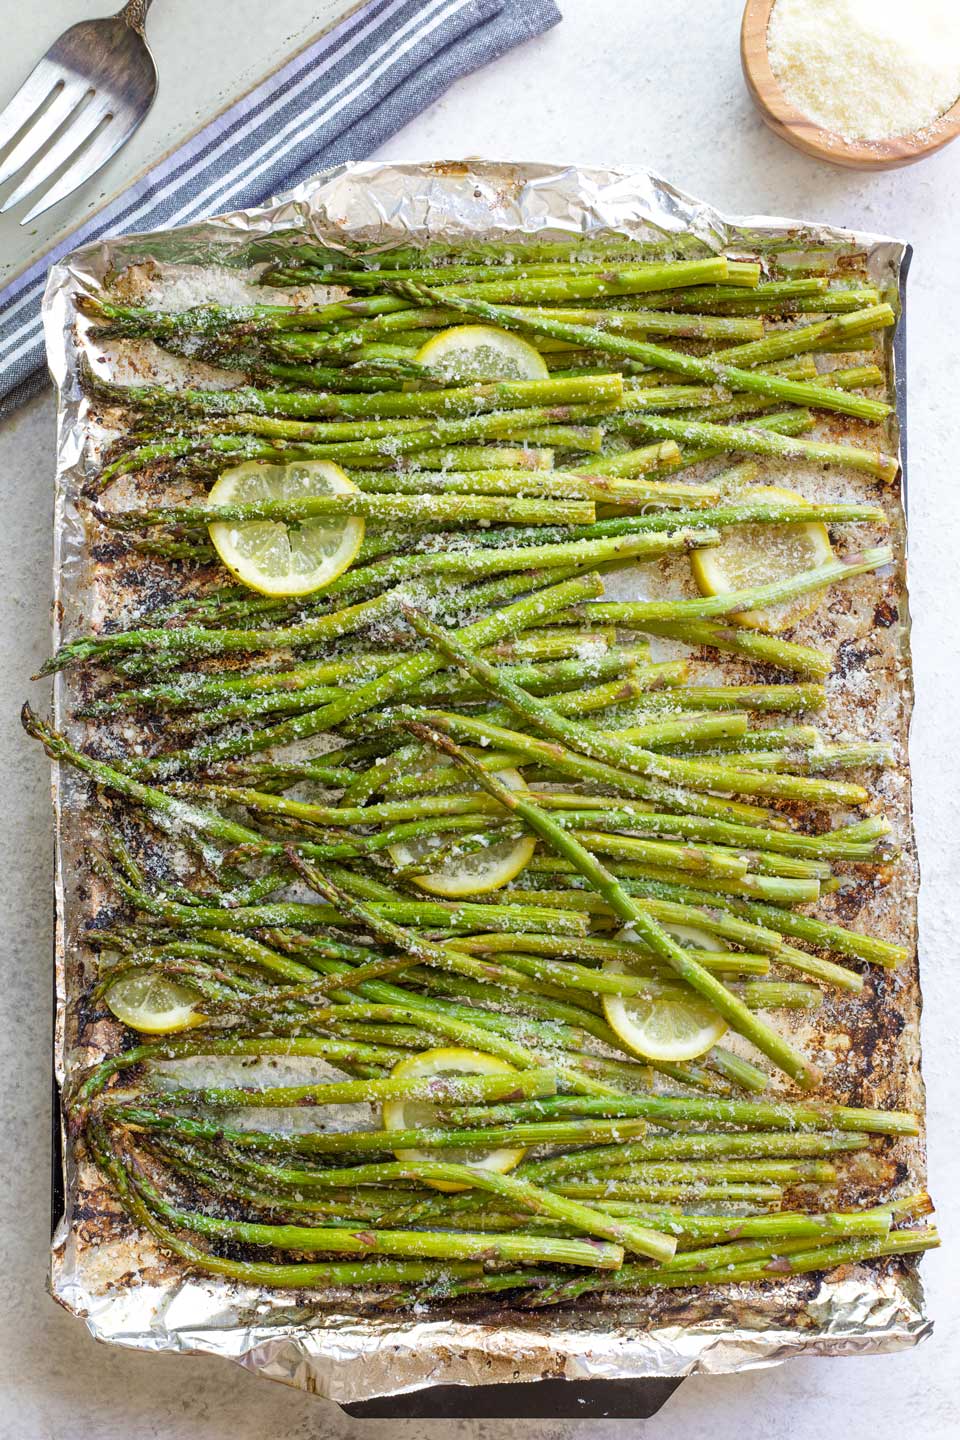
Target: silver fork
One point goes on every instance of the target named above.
(87, 96)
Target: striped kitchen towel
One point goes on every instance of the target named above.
(337, 100)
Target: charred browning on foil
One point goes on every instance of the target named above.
(852, 655)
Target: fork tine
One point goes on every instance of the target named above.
(77, 107)
(88, 162)
(44, 128)
(28, 99)
(76, 134)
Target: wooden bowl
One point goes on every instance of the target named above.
(800, 131)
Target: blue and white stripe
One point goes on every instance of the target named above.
(337, 99)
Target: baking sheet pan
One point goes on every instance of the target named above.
(339, 1349)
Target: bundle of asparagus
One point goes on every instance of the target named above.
(527, 875)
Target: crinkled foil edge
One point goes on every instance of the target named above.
(348, 1356)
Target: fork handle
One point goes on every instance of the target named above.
(135, 14)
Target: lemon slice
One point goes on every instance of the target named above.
(758, 554)
(153, 1004)
(481, 352)
(420, 1115)
(673, 1027)
(278, 557)
(475, 872)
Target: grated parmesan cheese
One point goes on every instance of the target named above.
(867, 69)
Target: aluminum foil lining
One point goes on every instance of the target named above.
(336, 1345)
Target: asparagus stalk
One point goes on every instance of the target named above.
(785, 1262)
(782, 699)
(781, 297)
(548, 484)
(434, 509)
(629, 280)
(460, 400)
(454, 1090)
(641, 612)
(798, 339)
(763, 649)
(647, 321)
(752, 441)
(789, 422)
(743, 511)
(557, 484)
(766, 1118)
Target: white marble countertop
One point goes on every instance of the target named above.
(653, 82)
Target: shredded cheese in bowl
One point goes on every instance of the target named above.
(867, 69)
